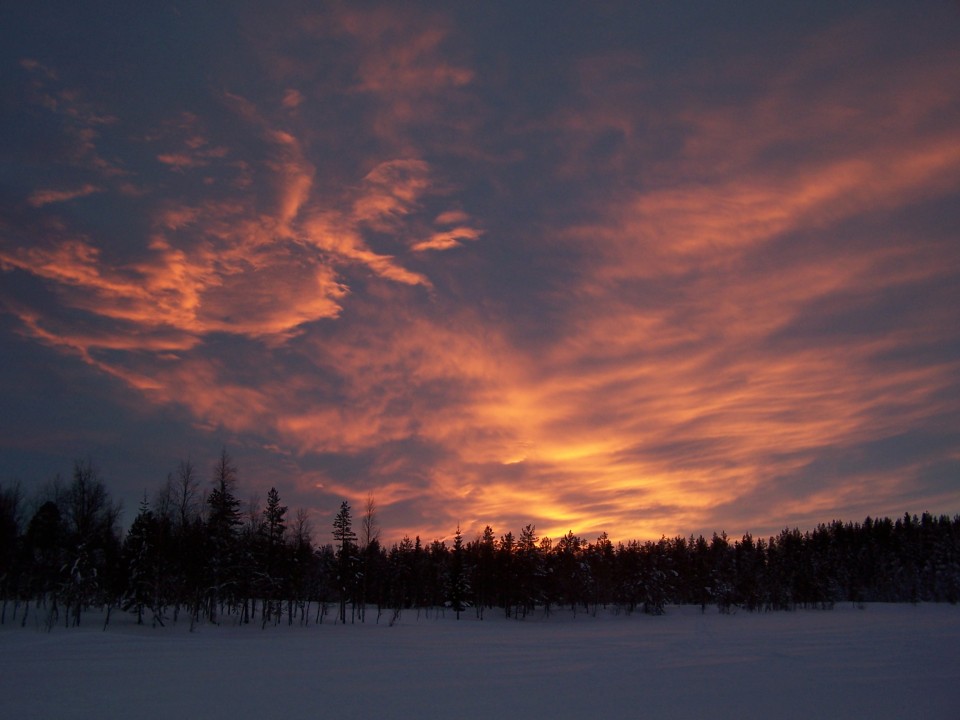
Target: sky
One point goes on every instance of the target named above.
(636, 267)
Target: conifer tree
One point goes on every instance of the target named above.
(458, 577)
(272, 531)
(141, 549)
(529, 570)
(484, 570)
(222, 523)
(345, 538)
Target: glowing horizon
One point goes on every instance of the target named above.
(648, 273)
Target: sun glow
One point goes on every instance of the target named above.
(378, 251)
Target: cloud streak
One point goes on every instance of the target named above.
(631, 292)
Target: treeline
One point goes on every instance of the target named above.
(194, 556)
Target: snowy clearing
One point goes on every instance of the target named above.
(884, 661)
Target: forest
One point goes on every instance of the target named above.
(197, 556)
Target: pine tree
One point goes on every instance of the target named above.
(141, 552)
(222, 523)
(571, 570)
(459, 586)
(484, 570)
(272, 531)
(345, 538)
(530, 571)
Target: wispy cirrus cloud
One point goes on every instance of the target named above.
(39, 198)
(614, 290)
(239, 265)
(678, 375)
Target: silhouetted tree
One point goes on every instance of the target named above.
(43, 553)
(222, 522)
(273, 554)
(141, 553)
(400, 562)
(483, 578)
(301, 561)
(369, 551)
(572, 572)
(529, 570)
(459, 586)
(345, 538)
(10, 510)
(92, 544)
(68, 556)
(506, 578)
(601, 560)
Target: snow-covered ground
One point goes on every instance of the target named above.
(884, 661)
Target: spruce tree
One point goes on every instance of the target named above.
(458, 577)
(345, 538)
(141, 553)
(222, 523)
(273, 567)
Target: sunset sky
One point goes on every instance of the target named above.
(638, 267)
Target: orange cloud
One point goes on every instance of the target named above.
(222, 266)
(402, 56)
(391, 191)
(446, 239)
(292, 98)
(39, 198)
(685, 312)
(179, 161)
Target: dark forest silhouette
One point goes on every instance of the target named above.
(200, 557)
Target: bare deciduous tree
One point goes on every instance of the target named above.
(369, 530)
(187, 489)
(302, 529)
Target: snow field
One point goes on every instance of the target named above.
(884, 661)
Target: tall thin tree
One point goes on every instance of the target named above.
(224, 517)
(345, 538)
